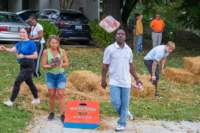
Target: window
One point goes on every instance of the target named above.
(9, 18)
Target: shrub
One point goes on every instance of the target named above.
(49, 28)
(101, 37)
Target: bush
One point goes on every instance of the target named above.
(49, 28)
(170, 30)
(99, 35)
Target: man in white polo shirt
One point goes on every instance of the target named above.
(155, 56)
(118, 59)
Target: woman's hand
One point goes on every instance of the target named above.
(20, 56)
(2, 48)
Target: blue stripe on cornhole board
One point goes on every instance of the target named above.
(80, 125)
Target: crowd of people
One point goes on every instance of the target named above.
(118, 61)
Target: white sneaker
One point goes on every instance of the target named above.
(8, 103)
(36, 101)
(119, 128)
(130, 116)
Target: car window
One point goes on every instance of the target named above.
(73, 17)
(10, 18)
(47, 12)
(27, 14)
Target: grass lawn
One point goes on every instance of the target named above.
(179, 102)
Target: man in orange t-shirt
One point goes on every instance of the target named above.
(157, 25)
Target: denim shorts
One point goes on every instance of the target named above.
(56, 81)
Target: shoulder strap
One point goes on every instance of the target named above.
(61, 52)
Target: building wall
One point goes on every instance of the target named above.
(54, 4)
(3, 5)
(35, 4)
(14, 5)
(44, 4)
(90, 7)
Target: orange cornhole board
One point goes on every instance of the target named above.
(82, 114)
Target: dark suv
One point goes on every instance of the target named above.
(25, 14)
(73, 26)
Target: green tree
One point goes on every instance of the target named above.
(120, 9)
(188, 10)
(189, 13)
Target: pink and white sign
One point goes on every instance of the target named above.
(109, 24)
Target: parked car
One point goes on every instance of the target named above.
(25, 14)
(73, 26)
(49, 14)
(10, 24)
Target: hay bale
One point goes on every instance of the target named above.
(181, 75)
(24, 90)
(42, 91)
(84, 81)
(69, 85)
(87, 82)
(192, 64)
(103, 126)
(147, 89)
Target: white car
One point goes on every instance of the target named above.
(10, 24)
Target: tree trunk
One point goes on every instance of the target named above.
(112, 7)
(127, 8)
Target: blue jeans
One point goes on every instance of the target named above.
(56, 81)
(120, 100)
(138, 43)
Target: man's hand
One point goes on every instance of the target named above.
(139, 84)
(103, 84)
(153, 78)
(163, 71)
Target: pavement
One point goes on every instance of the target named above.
(42, 125)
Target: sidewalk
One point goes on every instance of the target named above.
(42, 125)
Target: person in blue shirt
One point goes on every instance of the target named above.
(26, 53)
(156, 56)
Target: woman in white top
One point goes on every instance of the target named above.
(36, 34)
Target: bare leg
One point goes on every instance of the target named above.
(52, 94)
(60, 93)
